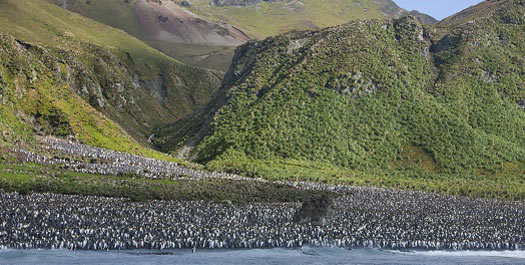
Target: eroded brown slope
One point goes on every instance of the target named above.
(167, 21)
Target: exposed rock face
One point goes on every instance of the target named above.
(240, 2)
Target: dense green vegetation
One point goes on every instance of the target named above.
(66, 75)
(508, 184)
(386, 103)
(29, 178)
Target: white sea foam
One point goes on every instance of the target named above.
(516, 254)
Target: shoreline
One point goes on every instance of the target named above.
(306, 255)
(304, 248)
(172, 251)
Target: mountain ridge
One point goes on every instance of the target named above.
(268, 18)
(202, 34)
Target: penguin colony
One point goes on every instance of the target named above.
(113, 163)
(117, 162)
(368, 218)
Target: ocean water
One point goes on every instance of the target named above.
(306, 255)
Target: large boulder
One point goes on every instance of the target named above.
(316, 209)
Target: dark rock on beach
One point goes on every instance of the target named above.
(315, 209)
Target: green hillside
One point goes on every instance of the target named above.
(389, 103)
(63, 74)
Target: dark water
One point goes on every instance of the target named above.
(306, 255)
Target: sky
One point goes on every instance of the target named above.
(439, 9)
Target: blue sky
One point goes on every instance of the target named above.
(439, 9)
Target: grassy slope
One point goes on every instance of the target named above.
(368, 103)
(270, 19)
(203, 56)
(33, 178)
(33, 78)
(50, 107)
(117, 14)
(42, 23)
(192, 86)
